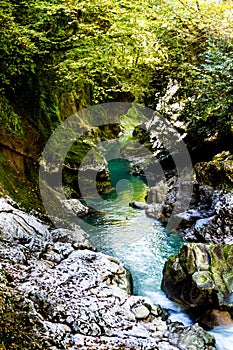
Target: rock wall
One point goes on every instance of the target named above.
(208, 217)
(214, 223)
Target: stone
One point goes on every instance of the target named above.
(174, 201)
(77, 237)
(208, 218)
(200, 278)
(57, 293)
(218, 226)
(157, 194)
(138, 205)
(213, 318)
(76, 206)
(217, 173)
(190, 215)
(190, 338)
(141, 312)
(203, 280)
(156, 211)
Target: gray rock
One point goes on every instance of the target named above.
(141, 312)
(218, 227)
(75, 206)
(70, 296)
(209, 217)
(77, 237)
(190, 216)
(138, 205)
(190, 338)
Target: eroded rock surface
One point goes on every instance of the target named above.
(218, 172)
(208, 214)
(216, 225)
(71, 296)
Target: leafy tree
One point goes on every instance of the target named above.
(110, 50)
(197, 38)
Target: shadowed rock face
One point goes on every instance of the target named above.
(218, 172)
(64, 294)
(200, 277)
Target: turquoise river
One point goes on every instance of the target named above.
(141, 243)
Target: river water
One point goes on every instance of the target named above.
(141, 243)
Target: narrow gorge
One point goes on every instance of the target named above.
(59, 274)
(116, 175)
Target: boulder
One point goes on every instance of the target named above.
(200, 278)
(213, 318)
(169, 203)
(75, 206)
(189, 338)
(141, 312)
(204, 215)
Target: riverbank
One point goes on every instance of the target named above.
(67, 295)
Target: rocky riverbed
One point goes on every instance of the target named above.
(57, 292)
(200, 276)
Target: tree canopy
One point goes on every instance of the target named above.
(117, 50)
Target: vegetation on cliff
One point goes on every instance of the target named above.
(112, 50)
(62, 55)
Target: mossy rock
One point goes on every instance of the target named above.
(21, 188)
(218, 172)
(200, 277)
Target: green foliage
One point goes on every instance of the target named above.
(10, 120)
(185, 32)
(197, 38)
(112, 53)
(215, 81)
(17, 49)
(208, 112)
(111, 50)
(2, 157)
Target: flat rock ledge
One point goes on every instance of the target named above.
(57, 293)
